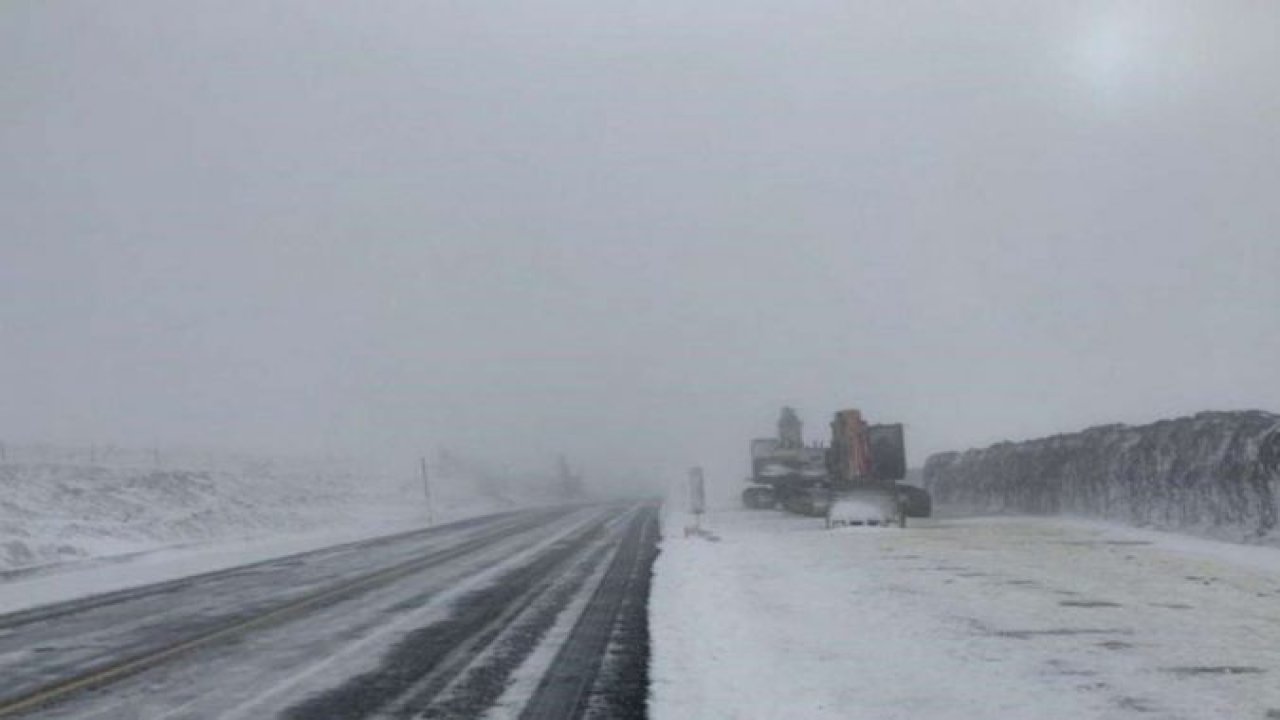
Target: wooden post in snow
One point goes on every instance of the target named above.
(697, 501)
(426, 489)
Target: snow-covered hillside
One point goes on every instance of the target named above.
(60, 506)
(1215, 474)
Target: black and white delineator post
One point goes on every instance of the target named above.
(697, 499)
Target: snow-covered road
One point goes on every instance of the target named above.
(976, 618)
(453, 621)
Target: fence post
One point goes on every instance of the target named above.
(426, 488)
(697, 500)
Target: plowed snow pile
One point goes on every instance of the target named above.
(1215, 474)
(1000, 619)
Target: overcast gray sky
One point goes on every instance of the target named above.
(630, 230)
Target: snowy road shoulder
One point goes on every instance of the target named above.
(959, 619)
(109, 574)
(95, 576)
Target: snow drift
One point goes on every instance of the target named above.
(1217, 474)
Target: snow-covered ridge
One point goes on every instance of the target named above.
(1215, 474)
(58, 506)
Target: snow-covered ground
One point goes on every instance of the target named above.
(965, 618)
(53, 584)
(70, 526)
(58, 513)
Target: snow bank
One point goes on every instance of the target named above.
(1215, 474)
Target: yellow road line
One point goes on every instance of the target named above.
(57, 691)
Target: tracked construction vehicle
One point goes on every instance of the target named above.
(785, 472)
(854, 481)
(864, 462)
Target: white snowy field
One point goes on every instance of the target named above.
(57, 513)
(977, 618)
(69, 527)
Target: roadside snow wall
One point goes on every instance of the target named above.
(1216, 474)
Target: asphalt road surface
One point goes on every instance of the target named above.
(534, 614)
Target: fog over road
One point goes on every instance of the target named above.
(484, 615)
